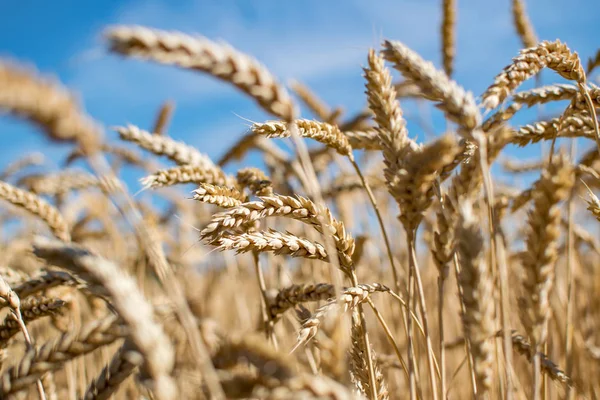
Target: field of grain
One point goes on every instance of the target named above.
(357, 262)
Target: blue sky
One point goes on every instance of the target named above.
(320, 43)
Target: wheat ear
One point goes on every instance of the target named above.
(448, 30)
(163, 117)
(477, 283)
(47, 104)
(200, 54)
(530, 61)
(53, 355)
(183, 174)
(256, 181)
(458, 104)
(178, 152)
(329, 135)
(223, 197)
(541, 250)
(126, 297)
(31, 310)
(358, 364)
(121, 366)
(38, 207)
(523, 24)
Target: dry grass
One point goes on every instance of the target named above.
(131, 300)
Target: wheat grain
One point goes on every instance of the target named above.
(223, 197)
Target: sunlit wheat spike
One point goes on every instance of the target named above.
(329, 135)
(200, 54)
(178, 152)
(458, 104)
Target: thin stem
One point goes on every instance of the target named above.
(389, 335)
(462, 309)
(381, 224)
(264, 301)
(570, 303)
(423, 307)
(462, 314)
(441, 329)
(392, 341)
(498, 254)
(411, 356)
(19, 318)
(536, 374)
(405, 324)
(412, 314)
(363, 323)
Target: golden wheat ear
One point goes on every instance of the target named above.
(200, 54)
(554, 55)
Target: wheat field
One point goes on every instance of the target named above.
(356, 262)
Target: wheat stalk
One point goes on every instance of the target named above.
(163, 117)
